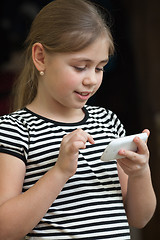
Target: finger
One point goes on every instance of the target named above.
(141, 145)
(79, 136)
(73, 135)
(148, 133)
(86, 135)
(76, 145)
(126, 154)
(131, 167)
(90, 138)
(130, 156)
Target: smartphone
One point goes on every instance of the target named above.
(111, 151)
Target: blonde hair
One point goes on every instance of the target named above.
(61, 26)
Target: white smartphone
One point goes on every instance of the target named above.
(111, 151)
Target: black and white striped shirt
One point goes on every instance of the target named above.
(90, 205)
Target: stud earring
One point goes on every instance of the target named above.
(41, 73)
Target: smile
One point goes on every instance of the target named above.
(83, 95)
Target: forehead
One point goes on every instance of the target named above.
(97, 51)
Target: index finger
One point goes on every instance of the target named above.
(90, 138)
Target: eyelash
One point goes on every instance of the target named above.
(82, 69)
(100, 69)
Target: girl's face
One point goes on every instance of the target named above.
(70, 79)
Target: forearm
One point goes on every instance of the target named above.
(140, 200)
(21, 214)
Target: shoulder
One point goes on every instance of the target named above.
(96, 110)
(14, 137)
(107, 118)
(14, 121)
(101, 113)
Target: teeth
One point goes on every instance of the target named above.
(84, 94)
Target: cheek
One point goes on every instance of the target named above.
(66, 84)
(99, 82)
(70, 79)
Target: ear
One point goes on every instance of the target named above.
(38, 55)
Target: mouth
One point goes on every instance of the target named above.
(83, 95)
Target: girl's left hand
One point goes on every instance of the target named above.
(135, 163)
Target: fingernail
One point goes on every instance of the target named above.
(137, 139)
(121, 152)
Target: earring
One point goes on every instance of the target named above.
(41, 73)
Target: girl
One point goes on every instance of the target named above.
(53, 184)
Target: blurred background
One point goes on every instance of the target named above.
(131, 85)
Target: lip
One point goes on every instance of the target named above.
(83, 95)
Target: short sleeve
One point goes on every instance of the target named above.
(114, 123)
(14, 137)
(118, 126)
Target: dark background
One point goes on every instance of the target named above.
(132, 79)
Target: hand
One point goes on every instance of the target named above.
(135, 163)
(69, 151)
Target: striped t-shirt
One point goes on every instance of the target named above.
(90, 205)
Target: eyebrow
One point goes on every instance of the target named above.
(105, 61)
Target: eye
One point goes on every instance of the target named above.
(79, 69)
(99, 69)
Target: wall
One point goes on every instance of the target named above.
(144, 21)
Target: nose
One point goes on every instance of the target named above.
(91, 78)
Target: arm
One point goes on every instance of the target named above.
(135, 178)
(20, 213)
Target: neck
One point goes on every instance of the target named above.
(59, 114)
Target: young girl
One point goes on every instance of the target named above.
(53, 184)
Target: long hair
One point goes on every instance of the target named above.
(61, 26)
